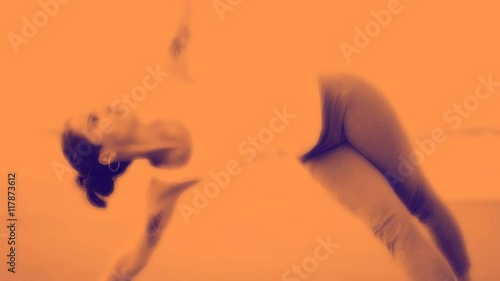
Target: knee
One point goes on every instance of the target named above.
(418, 198)
(351, 85)
(424, 209)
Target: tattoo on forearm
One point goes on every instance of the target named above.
(153, 229)
(180, 41)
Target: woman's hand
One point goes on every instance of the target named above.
(162, 196)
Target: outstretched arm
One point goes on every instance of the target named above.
(162, 199)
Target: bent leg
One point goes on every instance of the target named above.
(372, 128)
(363, 190)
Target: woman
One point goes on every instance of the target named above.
(360, 142)
(356, 158)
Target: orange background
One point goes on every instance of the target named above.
(90, 53)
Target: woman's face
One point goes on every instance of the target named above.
(104, 126)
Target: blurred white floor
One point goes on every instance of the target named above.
(265, 222)
(238, 246)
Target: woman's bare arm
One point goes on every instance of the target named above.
(161, 203)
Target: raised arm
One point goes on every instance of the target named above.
(177, 57)
(160, 207)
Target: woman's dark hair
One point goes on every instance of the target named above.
(97, 179)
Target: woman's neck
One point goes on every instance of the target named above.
(163, 143)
